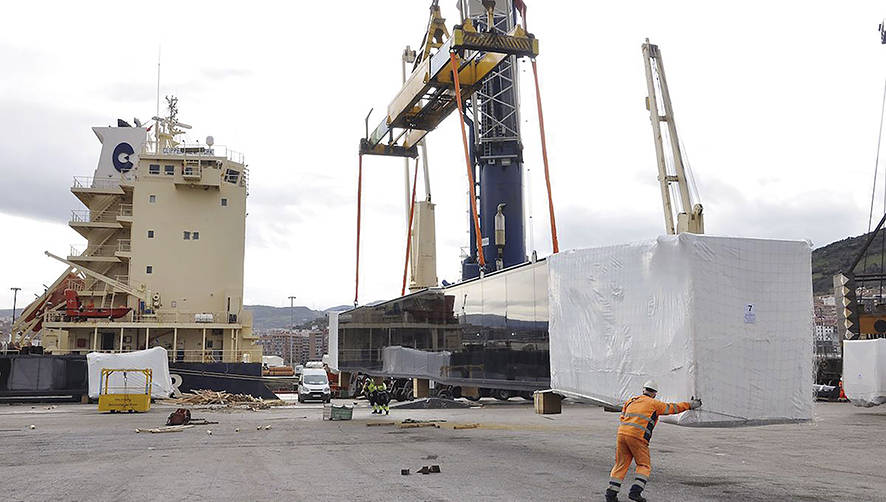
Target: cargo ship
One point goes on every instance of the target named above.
(164, 224)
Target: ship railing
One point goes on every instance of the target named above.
(95, 250)
(90, 182)
(74, 284)
(87, 216)
(244, 180)
(124, 245)
(124, 279)
(198, 150)
(209, 355)
(177, 317)
(125, 210)
(54, 316)
(192, 171)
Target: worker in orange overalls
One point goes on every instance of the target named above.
(638, 417)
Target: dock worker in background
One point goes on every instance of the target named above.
(370, 390)
(638, 417)
(382, 398)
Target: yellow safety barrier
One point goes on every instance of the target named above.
(130, 396)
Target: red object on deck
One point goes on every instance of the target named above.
(76, 310)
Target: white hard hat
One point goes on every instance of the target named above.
(651, 385)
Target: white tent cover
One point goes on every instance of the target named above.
(726, 319)
(864, 371)
(155, 359)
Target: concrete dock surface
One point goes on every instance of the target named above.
(76, 453)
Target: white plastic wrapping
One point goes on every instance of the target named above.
(272, 361)
(156, 359)
(864, 371)
(398, 360)
(332, 349)
(728, 320)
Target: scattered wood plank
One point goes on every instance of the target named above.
(466, 426)
(417, 425)
(165, 428)
(211, 398)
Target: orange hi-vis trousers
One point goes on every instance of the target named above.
(627, 449)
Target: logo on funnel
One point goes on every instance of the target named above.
(120, 157)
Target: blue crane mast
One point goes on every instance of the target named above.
(496, 150)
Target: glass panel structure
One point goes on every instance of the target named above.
(490, 332)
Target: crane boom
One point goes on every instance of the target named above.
(689, 217)
(105, 279)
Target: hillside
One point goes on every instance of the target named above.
(266, 317)
(836, 257)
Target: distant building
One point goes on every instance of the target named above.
(305, 344)
(824, 335)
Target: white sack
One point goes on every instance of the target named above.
(156, 359)
(864, 371)
(728, 320)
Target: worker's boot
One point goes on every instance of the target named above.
(387, 411)
(611, 496)
(636, 494)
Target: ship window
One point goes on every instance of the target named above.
(231, 176)
(150, 234)
(169, 170)
(187, 235)
(196, 235)
(224, 202)
(149, 269)
(154, 169)
(152, 198)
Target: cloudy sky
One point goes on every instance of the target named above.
(777, 103)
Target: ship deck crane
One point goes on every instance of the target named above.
(141, 295)
(854, 321)
(671, 167)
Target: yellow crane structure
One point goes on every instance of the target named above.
(428, 95)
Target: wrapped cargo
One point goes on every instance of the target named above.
(156, 359)
(864, 371)
(728, 320)
(415, 363)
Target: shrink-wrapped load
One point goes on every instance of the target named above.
(864, 371)
(728, 320)
(155, 359)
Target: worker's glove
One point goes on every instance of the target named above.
(694, 403)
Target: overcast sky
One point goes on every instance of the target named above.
(777, 103)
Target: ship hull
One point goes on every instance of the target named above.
(43, 378)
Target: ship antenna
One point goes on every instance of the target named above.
(157, 115)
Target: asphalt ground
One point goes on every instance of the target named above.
(77, 453)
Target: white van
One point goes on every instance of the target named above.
(313, 384)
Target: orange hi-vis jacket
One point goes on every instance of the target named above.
(640, 414)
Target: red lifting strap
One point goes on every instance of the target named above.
(359, 195)
(409, 229)
(544, 156)
(472, 199)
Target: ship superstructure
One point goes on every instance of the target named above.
(164, 223)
